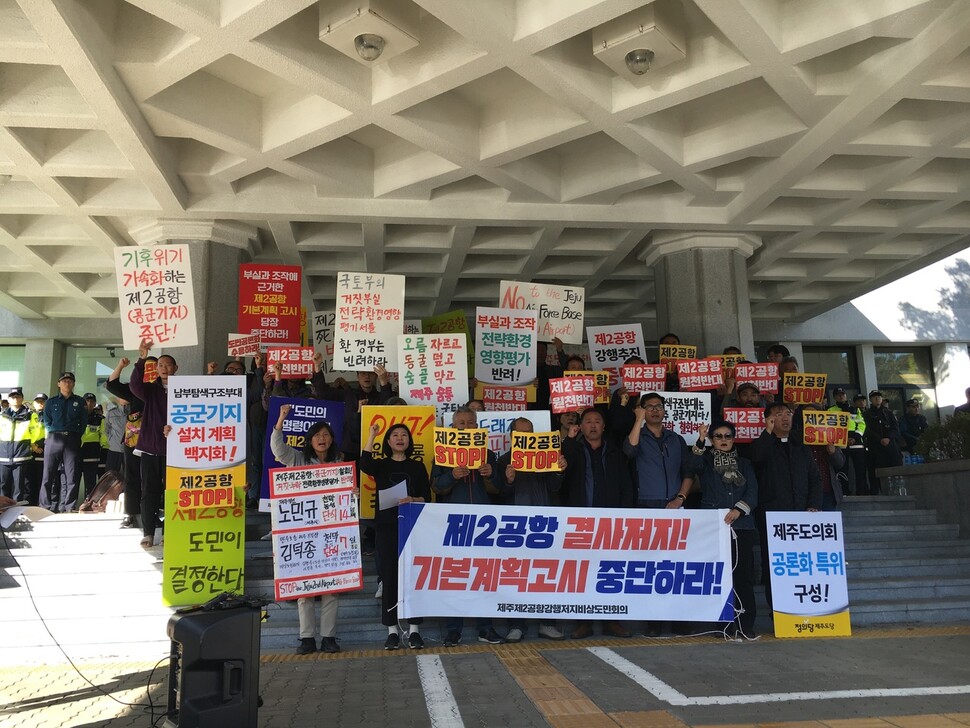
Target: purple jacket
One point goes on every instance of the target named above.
(153, 394)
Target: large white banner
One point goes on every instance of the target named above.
(316, 533)
(610, 346)
(499, 425)
(369, 317)
(806, 555)
(155, 296)
(489, 561)
(561, 309)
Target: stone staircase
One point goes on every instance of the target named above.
(99, 591)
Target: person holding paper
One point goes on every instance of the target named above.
(320, 446)
(396, 465)
(728, 481)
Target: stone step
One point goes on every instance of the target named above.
(903, 548)
(887, 516)
(895, 590)
(931, 610)
(900, 531)
(878, 503)
(938, 567)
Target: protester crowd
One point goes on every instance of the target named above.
(619, 455)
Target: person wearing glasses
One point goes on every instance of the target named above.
(728, 481)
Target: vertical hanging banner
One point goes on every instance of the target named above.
(670, 354)
(453, 322)
(505, 346)
(763, 375)
(644, 377)
(571, 394)
(601, 383)
(748, 422)
(369, 318)
(205, 496)
(611, 346)
(560, 309)
(809, 593)
(304, 414)
(155, 296)
(269, 302)
(699, 375)
(432, 369)
(499, 426)
(803, 388)
(316, 532)
(420, 419)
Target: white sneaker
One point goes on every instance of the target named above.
(380, 590)
(550, 632)
(514, 635)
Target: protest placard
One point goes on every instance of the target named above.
(269, 302)
(686, 412)
(433, 369)
(321, 339)
(412, 326)
(151, 370)
(824, 427)
(749, 422)
(505, 346)
(316, 532)
(644, 377)
(601, 383)
(243, 344)
(559, 309)
(452, 322)
(729, 362)
(497, 398)
(806, 554)
(802, 388)
(303, 414)
(155, 296)
(763, 375)
(205, 480)
(571, 394)
(496, 561)
(456, 448)
(670, 354)
(611, 346)
(536, 452)
(296, 362)
(699, 375)
(420, 420)
(499, 426)
(369, 318)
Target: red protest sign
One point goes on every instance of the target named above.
(748, 422)
(763, 375)
(569, 394)
(698, 375)
(243, 344)
(269, 302)
(296, 361)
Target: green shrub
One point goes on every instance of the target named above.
(947, 441)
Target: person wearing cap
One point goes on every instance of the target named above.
(91, 442)
(15, 455)
(35, 473)
(882, 434)
(911, 425)
(64, 418)
(855, 452)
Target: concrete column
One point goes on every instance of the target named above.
(702, 288)
(868, 377)
(43, 364)
(795, 349)
(214, 262)
(951, 371)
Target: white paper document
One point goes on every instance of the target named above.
(389, 498)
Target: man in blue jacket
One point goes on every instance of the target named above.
(661, 455)
(65, 418)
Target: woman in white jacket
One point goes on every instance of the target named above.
(320, 447)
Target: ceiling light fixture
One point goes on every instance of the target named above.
(639, 60)
(369, 46)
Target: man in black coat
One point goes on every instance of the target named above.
(882, 438)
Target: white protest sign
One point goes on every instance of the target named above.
(686, 412)
(560, 309)
(505, 346)
(369, 317)
(499, 425)
(611, 346)
(433, 370)
(155, 296)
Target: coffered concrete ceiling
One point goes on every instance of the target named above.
(496, 146)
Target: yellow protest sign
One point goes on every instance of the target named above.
(493, 392)
(670, 354)
(205, 488)
(456, 448)
(205, 549)
(803, 388)
(825, 428)
(536, 452)
(420, 419)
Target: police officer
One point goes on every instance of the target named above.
(15, 447)
(37, 435)
(91, 443)
(65, 419)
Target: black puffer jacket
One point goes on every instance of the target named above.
(788, 479)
